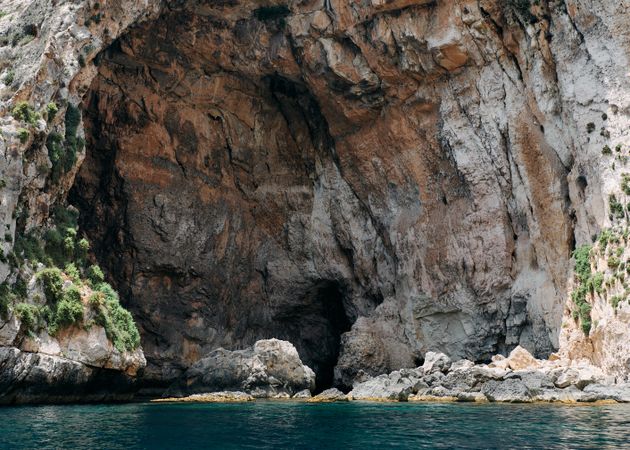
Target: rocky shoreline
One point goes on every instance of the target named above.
(518, 378)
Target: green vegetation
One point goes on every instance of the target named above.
(95, 275)
(606, 150)
(616, 208)
(585, 285)
(68, 311)
(52, 282)
(23, 135)
(6, 298)
(51, 111)
(9, 77)
(613, 262)
(25, 113)
(29, 315)
(62, 247)
(73, 273)
(615, 300)
(116, 320)
(590, 127)
(62, 151)
(597, 282)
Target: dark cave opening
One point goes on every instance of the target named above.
(316, 327)
(331, 298)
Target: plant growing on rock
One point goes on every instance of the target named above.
(51, 111)
(616, 208)
(9, 77)
(23, 135)
(28, 315)
(116, 320)
(52, 282)
(25, 113)
(95, 275)
(583, 273)
(62, 288)
(68, 311)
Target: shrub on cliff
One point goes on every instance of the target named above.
(117, 321)
(51, 111)
(585, 284)
(68, 311)
(95, 275)
(25, 113)
(28, 315)
(52, 282)
(62, 151)
(616, 208)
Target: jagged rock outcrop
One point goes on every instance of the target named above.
(367, 180)
(270, 369)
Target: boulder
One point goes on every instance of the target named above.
(483, 373)
(578, 376)
(511, 390)
(436, 362)
(384, 387)
(520, 359)
(476, 397)
(535, 380)
(303, 394)
(462, 364)
(268, 369)
(568, 395)
(599, 392)
(328, 396)
(499, 362)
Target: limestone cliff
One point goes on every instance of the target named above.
(368, 179)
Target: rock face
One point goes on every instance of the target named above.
(41, 378)
(271, 369)
(367, 180)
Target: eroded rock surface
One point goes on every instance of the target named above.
(270, 369)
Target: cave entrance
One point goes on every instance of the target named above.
(316, 327)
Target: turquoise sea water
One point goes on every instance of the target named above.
(273, 425)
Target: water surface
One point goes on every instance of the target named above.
(273, 425)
